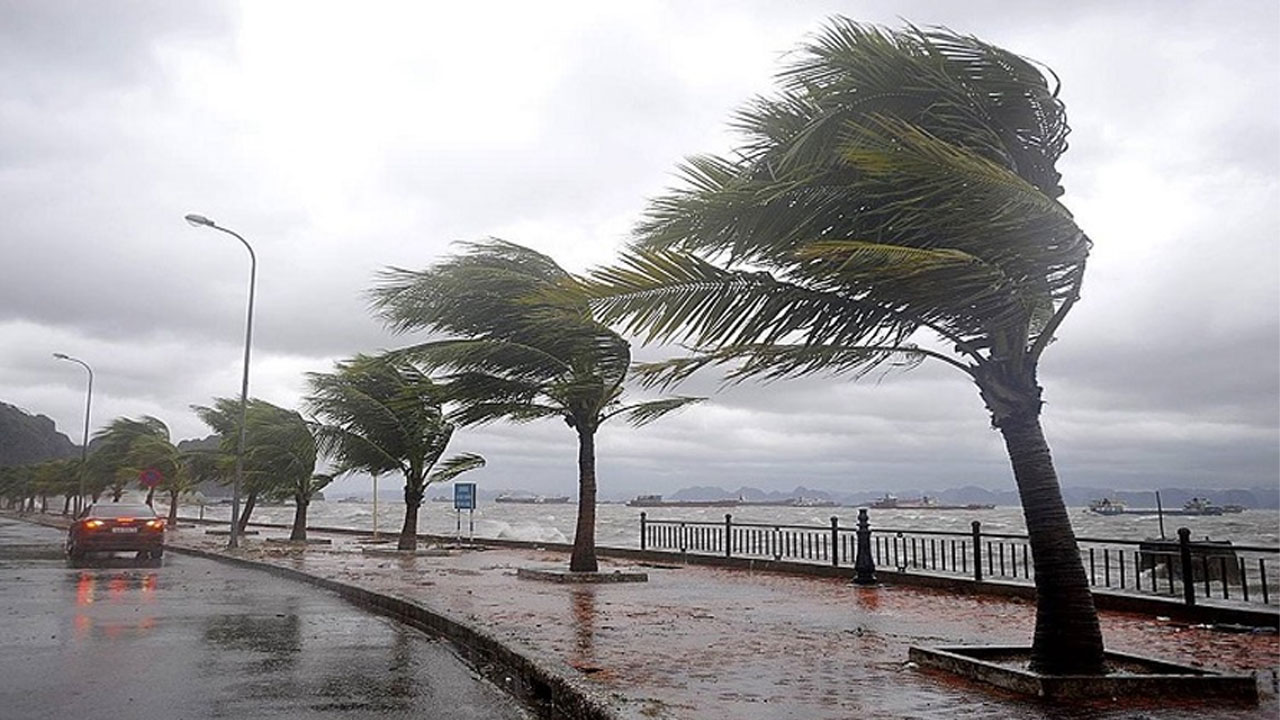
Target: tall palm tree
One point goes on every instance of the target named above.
(382, 415)
(895, 202)
(519, 348)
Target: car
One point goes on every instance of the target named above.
(116, 527)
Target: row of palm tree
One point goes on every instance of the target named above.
(895, 202)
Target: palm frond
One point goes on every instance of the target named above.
(646, 412)
(451, 468)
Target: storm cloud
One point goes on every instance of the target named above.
(341, 139)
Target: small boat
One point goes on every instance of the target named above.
(889, 502)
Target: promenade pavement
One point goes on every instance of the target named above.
(708, 643)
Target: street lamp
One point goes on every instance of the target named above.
(84, 446)
(202, 221)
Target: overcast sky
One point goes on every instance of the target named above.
(340, 138)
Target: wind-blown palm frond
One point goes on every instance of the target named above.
(646, 412)
(450, 468)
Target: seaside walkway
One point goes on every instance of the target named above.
(708, 643)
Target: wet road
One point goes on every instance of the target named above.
(198, 639)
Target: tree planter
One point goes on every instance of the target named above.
(568, 576)
(1132, 676)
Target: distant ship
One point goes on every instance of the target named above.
(533, 499)
(1194, 506)
(889, 502)
(657, 501)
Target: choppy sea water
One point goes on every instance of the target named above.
(619, 525)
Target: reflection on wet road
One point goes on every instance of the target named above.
(197, 639)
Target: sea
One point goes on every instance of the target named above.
(618, 525)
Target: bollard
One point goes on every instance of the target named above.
(835, 541)
(728, 535)
(1188, 582)
(864, 567)
(977, 551)
(643, 542)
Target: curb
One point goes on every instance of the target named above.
(551, 692)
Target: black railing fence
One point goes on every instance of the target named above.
(1179, 567)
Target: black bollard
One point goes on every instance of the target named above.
(864, 568)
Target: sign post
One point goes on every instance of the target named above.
(464, 498)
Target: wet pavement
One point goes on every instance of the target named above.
(706, 643)
(196, 638)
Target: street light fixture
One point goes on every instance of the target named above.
(84, 446)
(202, 221)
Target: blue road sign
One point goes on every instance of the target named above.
(464, 496)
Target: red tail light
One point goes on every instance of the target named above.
(156, 524)
(124, 521)
(93, 524)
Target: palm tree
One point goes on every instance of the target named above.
(126, 447)
(384, 415)
(520, 349)
(280, 444)
(279, 455)
(157, 452)
(896, 202)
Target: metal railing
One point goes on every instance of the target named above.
(1194, 570)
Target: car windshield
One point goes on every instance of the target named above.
(119, 511)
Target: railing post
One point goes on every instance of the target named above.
(1188, 581)
(643, 540)
(977, 551)
(728, 535)
(864, 567)
(835, 541)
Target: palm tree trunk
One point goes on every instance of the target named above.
(299, 531)
(413, 492)
(1068, 638)
(584, 536)
(249, 502)
(173, 507)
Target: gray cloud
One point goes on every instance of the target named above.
(339, 142)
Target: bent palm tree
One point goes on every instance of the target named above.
(279, 455)
(519, 349)
(384, 415)
(126, 447)
(902, 184)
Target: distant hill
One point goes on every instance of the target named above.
(1258, 497)
(26, 438)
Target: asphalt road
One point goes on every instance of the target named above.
(194, 638)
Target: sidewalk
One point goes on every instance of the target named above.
(713, 644)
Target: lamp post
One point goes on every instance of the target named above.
(84, 446)
(202, 221)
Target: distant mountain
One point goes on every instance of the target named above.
(26, 438)
(1259, 497)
